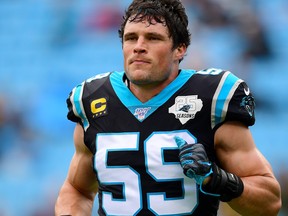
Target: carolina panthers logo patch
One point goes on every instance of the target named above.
(248, 103)
(185, 108)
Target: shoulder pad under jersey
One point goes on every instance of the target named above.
(75, 101)
(232, 99)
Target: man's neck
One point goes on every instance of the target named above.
(146, 92)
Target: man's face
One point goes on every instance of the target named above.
(148, 55)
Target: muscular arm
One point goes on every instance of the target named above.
(77, 194)
(238, 154)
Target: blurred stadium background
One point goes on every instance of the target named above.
(49, 46)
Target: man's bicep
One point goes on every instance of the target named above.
(237, 152)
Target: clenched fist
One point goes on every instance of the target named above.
(194, 160)
(196, 165)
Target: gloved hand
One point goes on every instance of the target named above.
(196, 165)
(194, 160)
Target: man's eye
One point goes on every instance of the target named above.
(130, 38)
(153, 38)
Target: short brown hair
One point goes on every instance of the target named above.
(168, 12)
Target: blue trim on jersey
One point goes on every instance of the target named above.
(142, 110)
(77, 102)
(222, 97)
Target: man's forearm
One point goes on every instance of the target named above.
(72, 202)
(260, 197)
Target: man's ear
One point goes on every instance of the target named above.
(181, 51)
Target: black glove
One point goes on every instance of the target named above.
(196, 165)
(194, 160)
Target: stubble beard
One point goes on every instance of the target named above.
(145, 79)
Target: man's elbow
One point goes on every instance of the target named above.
(275, 205)
(275, 208)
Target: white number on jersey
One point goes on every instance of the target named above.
(161, 171)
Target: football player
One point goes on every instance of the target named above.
(159, 140)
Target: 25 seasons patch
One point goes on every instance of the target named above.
(186, 107)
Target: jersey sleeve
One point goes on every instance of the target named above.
(76, 112)
(232, 101)
(242, 106)
(79, 100)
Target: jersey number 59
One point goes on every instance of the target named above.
(155, 166)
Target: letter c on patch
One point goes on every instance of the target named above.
(98, 105)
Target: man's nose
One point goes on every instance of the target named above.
(140, 46)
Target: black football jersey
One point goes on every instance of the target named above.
(135, 153)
